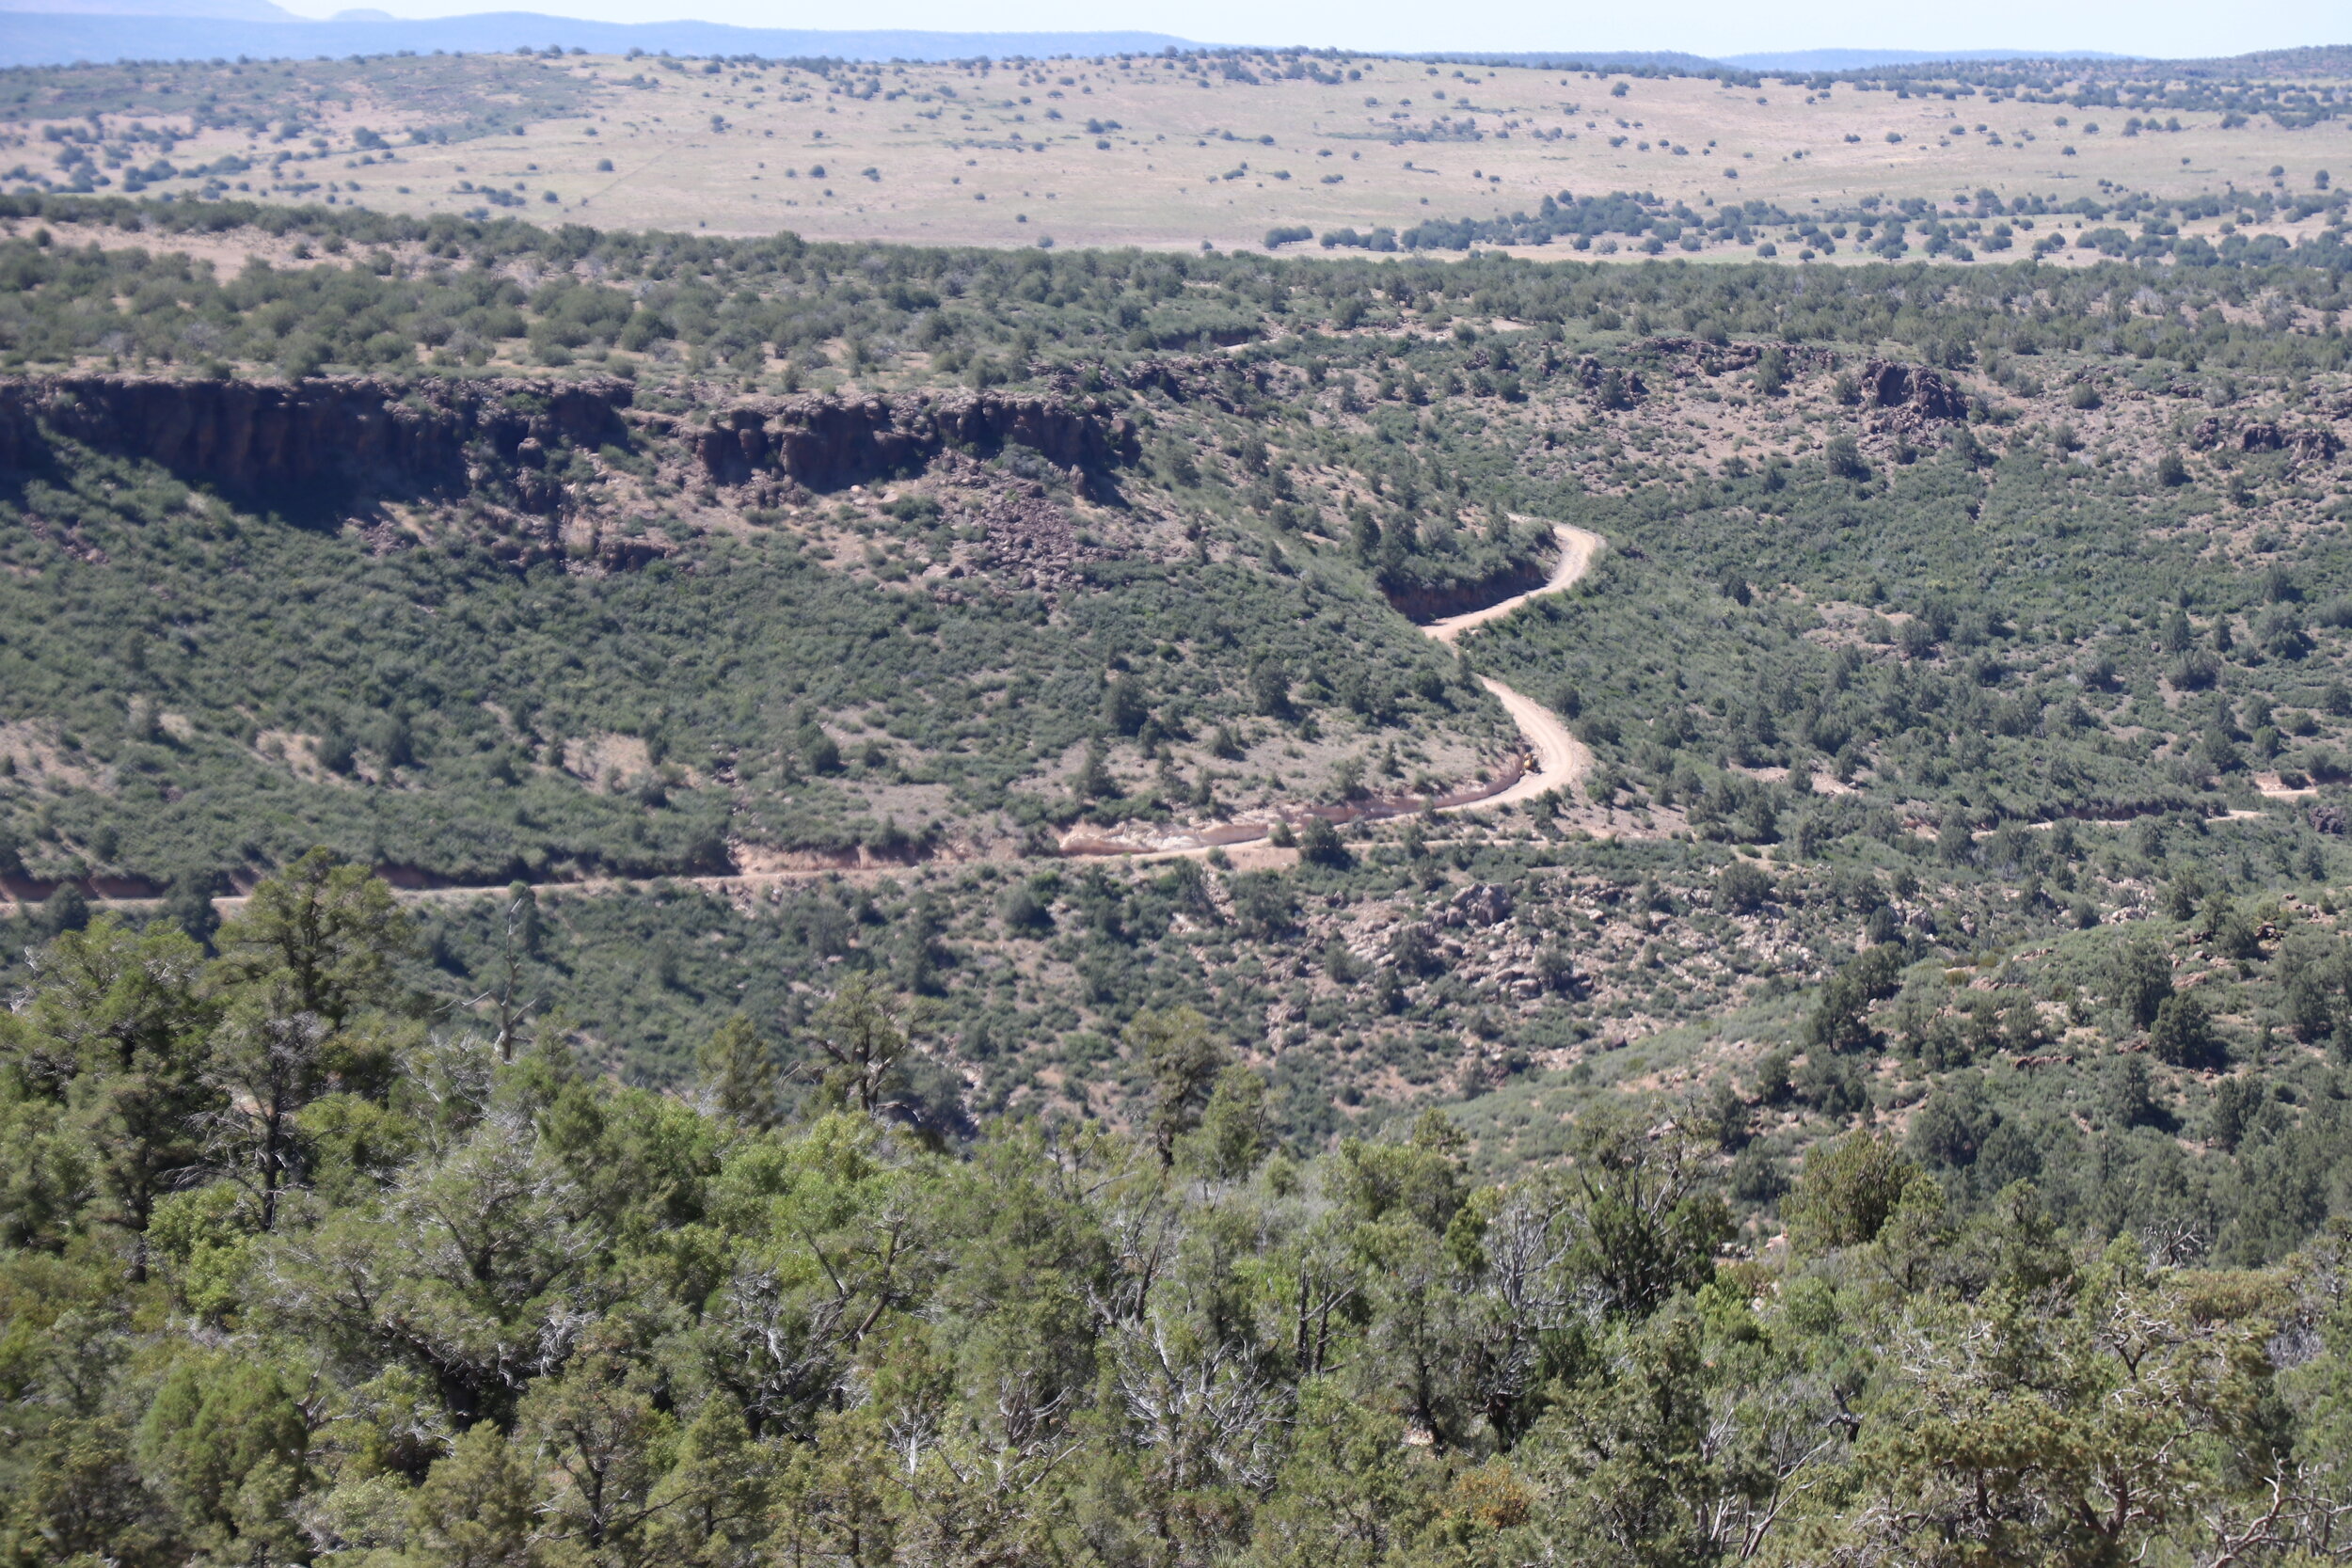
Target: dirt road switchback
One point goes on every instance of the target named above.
(1551, 757)
(1578, 549)
(1555, 757)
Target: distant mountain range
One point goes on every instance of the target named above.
(1858, 59)
(1565, 59)
(59, 32)
(234, 10)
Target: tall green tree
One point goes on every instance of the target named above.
(1180, 1060)
(865, 1031)
(324, 937)
(113, 1028)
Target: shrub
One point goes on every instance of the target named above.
(2139, 979)
(1839, 1020)
(1848, 1190)
(1319, 845)
(1270, 688)
(1742, 888)
(1025, 914)
(2180, 1034)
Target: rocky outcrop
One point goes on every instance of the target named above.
(825, 442)
(2306, 444)
(1706, 356)
(1593, 376)
(1219, 379)
(1910, 395)
(255, 437)
(1479, 905)
(1028, 539)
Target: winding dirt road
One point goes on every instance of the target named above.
(1578, 549)
(1555, 756)
(1550, 757)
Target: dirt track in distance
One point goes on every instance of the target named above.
(1552, 758)
(1558, 758)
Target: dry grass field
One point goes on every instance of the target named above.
(1169, 153)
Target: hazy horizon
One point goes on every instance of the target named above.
(1714, 29)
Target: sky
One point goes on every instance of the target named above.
(1712, 27)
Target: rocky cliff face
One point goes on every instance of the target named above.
(452, 439)
(259, 437)
(824, 442)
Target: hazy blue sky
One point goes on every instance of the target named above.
(2163, 27)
